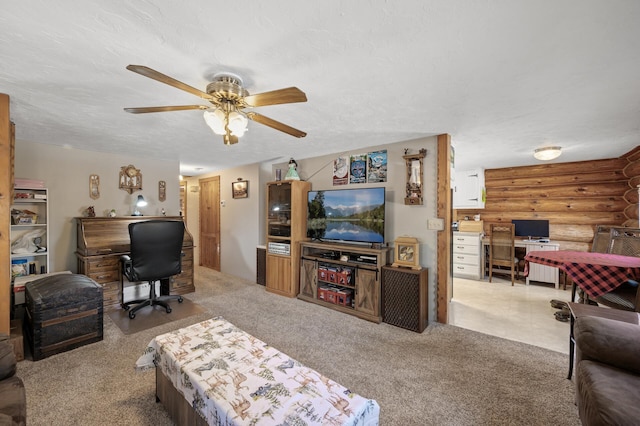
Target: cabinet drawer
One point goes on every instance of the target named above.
(103, 277)
(466, 259)
(461, 270)
(465, 239)
(466, 248)
(101, 263)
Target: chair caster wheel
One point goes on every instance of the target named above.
(125, 307)
(168, 310)
(180, 299)
(132, 315)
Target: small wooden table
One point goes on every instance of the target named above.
(584, 310)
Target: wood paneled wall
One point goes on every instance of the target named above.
(574, 197)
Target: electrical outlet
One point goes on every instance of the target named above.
(435, 224)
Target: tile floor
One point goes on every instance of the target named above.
(521, 313)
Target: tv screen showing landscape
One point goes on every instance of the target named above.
(350, 215)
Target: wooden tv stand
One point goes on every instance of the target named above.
(343, 277)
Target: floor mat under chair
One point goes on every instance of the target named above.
(149, 317)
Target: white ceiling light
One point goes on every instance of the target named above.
(548, 153)
(219, 121)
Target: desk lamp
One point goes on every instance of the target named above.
(140, 202)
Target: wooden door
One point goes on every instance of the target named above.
(279, 275)
(210, 222)
(367, 295)
(308, 277)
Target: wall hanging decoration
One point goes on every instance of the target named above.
(240, 188)
(414, 164)
(162, 190)
(377, 166)
(358, 169)
(130, 178)
(341, 171)
(94, 187)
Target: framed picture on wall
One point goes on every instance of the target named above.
(240, 189)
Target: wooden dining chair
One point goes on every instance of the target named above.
(601, 239)
(600, 244)
(502, 249)
(624, 241)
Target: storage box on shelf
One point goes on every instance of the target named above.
(343, 277)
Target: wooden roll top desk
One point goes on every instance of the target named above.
(102, 240)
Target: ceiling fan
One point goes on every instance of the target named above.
(229, 99)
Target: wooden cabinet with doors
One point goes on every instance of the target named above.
(343, 277)
(286, 228)
(468, 191)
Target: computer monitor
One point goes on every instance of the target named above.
(531, 229)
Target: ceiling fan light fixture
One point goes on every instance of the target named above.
(215, 120)
(547, 153)
(237, 123)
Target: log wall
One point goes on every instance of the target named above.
(574, 197)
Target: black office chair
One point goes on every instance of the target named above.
(156, 253)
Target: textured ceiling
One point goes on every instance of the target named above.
(502, 77)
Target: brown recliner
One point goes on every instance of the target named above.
(607, 371)
(13, 398)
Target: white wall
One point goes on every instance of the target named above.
(241, 220)
(66, 171)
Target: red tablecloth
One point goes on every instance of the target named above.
(595, 273)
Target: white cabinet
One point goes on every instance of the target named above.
(30, 225)
(542, 273)
(468, 191)
(466, 255)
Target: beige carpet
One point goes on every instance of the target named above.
(444, 376)
(148, 317)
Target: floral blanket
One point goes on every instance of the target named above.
(233, 378)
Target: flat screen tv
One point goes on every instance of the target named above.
(531, 229)
(347, 215)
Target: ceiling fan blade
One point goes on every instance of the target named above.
(283, 96)
(142, 110)
(158, 76)
(275, 124)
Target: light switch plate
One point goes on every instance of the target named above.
(436, 224)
